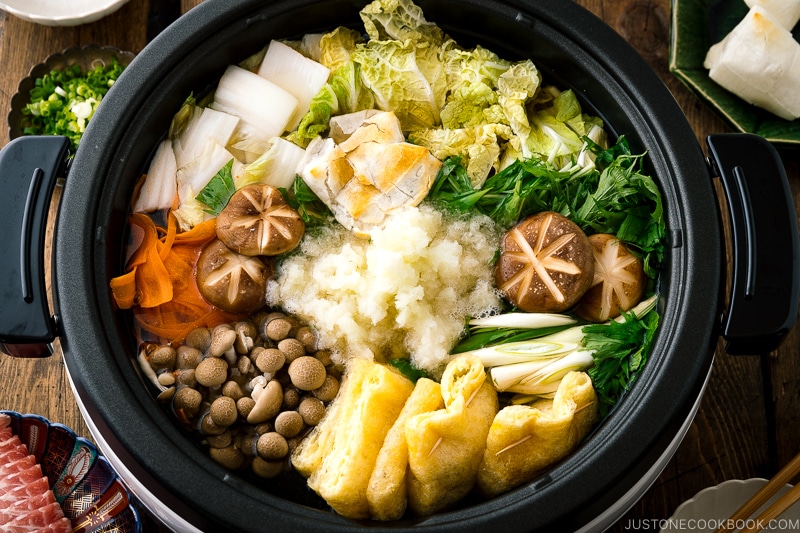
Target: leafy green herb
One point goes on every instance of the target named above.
(63, 102)
(452, 188)
(216, 194)
(615, 197)
(525, 187)
(626, 203)
(408, 370)
(620, 349)
(311, 209)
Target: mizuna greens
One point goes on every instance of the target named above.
(619, 350)
(613, 196)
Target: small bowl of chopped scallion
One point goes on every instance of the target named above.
(60, 95)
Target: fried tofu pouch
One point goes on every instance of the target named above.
(387, 492)
(307, 457)
(526, 439)
(445, 447)
(340, 457)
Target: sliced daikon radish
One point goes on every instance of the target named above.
(160, 186)
(295, 73)
(785, 12)
(759, 61)
(257, 101)
(209, 124)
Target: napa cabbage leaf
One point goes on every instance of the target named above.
(558, 126)
(343, 93)
(465, 66)
(400, 20)
(336, 46)
(516, 87)
(471, 105)
(479, 147)
(405, 77)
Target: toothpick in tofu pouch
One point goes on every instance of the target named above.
(526, 439)
(387, 492)
(445, 447)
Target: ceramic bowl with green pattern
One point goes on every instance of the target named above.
(696, 25)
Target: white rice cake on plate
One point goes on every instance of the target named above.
(785, 12)
(759, 61)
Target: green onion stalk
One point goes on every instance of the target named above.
(612, 353)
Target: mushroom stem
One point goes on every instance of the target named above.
(148, 371)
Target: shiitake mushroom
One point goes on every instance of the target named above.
(546, 263)
(619, 280)
(258, 221)
(232, 281)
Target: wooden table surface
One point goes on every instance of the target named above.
(748, 424)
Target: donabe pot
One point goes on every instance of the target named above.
(588, 490)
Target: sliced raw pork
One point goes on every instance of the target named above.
(26, 502)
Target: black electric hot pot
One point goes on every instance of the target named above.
(172, 476)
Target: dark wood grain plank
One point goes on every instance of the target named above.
(784, 365)
(186, 5)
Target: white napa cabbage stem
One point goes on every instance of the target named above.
(561, 144)
(296, 74)
(161, 184)
(586, 157)
(258, 102)
(557, 145)
(208, 124)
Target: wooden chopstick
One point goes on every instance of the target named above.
(772, 512)
(786, 474)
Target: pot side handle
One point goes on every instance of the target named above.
(29, 168)
(765, 287)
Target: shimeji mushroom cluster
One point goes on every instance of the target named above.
(252, 389)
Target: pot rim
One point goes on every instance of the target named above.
(621, 449)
